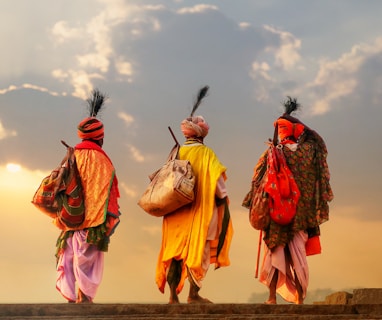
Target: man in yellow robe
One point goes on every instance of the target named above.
(200, 233)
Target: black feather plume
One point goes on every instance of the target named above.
(291, 105)
(95, 102)
(202, 93)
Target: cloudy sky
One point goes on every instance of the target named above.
(151, 57)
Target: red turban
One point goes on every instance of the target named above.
(288, 131)
(90, 128)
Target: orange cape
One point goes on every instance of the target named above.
(97, 176)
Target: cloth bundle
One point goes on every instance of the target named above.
(274, 192)
(60, 194)
(281, 187)
(171, 187)
(257, 200)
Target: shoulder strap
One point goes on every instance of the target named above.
(275, 134)
(69, 157)
(173, 153)
(173, 135)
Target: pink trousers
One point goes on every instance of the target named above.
(80, 264)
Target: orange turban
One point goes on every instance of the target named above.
(90, 128)
(288, 131)
(194, 127)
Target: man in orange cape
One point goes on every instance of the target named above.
(80, 250)
(200, 233)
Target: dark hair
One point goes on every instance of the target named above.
(291, 105)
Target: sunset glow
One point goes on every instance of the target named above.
(13, 167)
(150, 58)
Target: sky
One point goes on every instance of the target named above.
(151, 58)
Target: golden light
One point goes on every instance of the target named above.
(13, 167)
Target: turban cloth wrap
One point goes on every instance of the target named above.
(194, 127)
(288, 131)
(90, 129)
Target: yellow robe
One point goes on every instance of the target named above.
(184, 232)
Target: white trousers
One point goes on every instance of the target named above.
(286, 285)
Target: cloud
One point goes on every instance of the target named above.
(81, 80)
(260, 72)
(157, 7)
(199, 8)
(274, 62)
(62, 32)
(244, 25)
(128, 191)
(4, 133)
(98, 61)
(14, 177)
(124, 68)
(13, 167)
(287, 54)
(9, 89)
(97, 49)
(136, 154)
(339, 78)
(261, 69)
(335, 78)
(127, 118)
(28, 86)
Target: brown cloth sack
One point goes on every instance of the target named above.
(257, 199)
(259, 212)
(171, 187)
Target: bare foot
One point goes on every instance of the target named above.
(83, 298)
(198, 299)
(270, 301)
(173, 301)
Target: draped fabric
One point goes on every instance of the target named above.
(185, 232)
(80, 251)
(288, 266)
(281, 187)
(310, 170)
(100, 183)
(83, 264)
(286, 245)
(101, 193)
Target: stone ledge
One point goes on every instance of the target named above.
(159, 311)
(341, 297)
(367, 296)
(358, 297)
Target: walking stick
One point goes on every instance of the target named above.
(258, 254)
